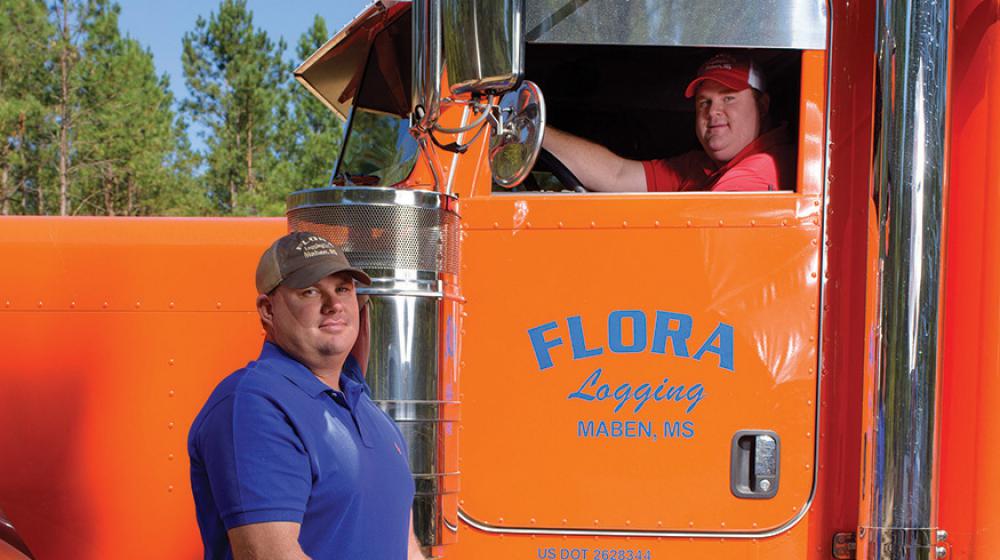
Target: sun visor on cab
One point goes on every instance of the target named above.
(373, 51)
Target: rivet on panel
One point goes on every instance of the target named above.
(815, 242)
(813, 274)
(218, 305)
(40, 303)
(593, 224)
(723, 524)
(753, 223)
(170, 393)
(496, 225)
(170, 361)
(625, 223)
(461, 502)
(500, 520)
(170, 488)
(560, 224)
(784, 222)
(722, 223)
(656, 223)
(532, 520)
(170, 305)
(809, 434)
(597, 522)
(754, 525)
(170, 457)
(690, 523)
(689, 223)
(527, 225)
(815, 221)
(104, 305)
(815, 203)
(170, 425)
(72, 305)
(564, 522)
(628, 522)
(138, 305)
(812, 339)
(7, 303)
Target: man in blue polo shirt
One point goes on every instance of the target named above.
(290, 458)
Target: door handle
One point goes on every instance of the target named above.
(755, 462)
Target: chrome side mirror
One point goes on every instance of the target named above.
(517, 139)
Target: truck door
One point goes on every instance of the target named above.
(645, 364)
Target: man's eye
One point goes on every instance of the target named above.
(309, 292)
(730, 98)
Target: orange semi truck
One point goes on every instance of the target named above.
(810, 373)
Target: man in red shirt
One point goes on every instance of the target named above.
(738, 152)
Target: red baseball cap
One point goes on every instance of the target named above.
(735, 71)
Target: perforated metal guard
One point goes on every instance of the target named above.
(386, 237)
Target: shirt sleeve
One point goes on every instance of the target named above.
(661, 176)
(257, 466)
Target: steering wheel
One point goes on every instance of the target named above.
(561, 172)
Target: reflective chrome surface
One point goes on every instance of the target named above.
(426, 63)
(909, 189)
(407, 241)
(392, 233)
(405, 347)
(483, 41)
(515, 144)
(794, 24)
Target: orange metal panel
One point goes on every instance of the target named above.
(96, 399)
(518, 419)
(970, 425)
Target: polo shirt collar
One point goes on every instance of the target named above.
(351, 382)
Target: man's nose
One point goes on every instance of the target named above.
(331, 303)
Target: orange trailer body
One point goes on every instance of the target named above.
(738, 312)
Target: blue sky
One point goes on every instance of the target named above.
(160, 26)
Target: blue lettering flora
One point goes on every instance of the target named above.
(628, 332)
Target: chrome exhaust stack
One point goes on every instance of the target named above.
(898, 517)
(408, 242)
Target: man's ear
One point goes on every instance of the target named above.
(265, 308)
(763, 104)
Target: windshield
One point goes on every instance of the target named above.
(378, 148)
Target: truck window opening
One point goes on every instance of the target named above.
(630, 99)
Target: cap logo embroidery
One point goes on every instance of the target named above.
(314, 246)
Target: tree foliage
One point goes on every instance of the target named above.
(234, 74)
(87, 126)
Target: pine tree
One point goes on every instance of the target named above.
(25, 130)
(234, 72)
(125, 135)
(311, 133)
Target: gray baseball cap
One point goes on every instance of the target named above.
(299, 260)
